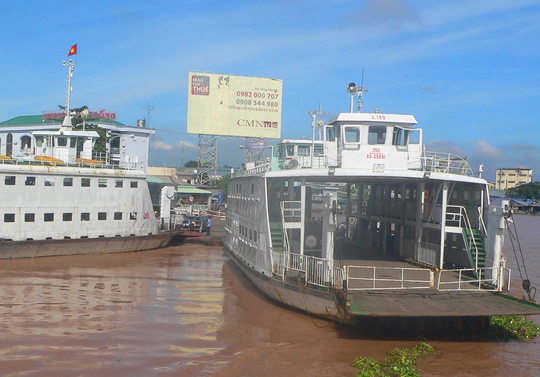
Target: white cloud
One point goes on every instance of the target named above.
(488, 151)
(185, 144)
(158, 144)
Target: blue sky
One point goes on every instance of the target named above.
(468, 70)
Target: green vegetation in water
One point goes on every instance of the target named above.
(506, 327)
(400, 362)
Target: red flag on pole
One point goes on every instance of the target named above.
(73, 50)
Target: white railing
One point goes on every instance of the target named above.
(291, 211)
(373, 277)
(445, 163)
(316, 271)
(465, 280)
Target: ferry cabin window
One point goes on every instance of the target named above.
(133, 184)
(49, 181)
(102, 216)
(102, 182)
(85, 182)
(62, 141)
(9, 180)
(118, 215)
(330, 134)
(400, 137)
(48, 217)
(85, 216)
(68, 182)
(133, 215)
(9, 217)
(352, 135)
(377, 135)
(30, 181)
(39, 141)
(29, 217)
(290, 150)
(67, 216)
(351, 138)
(26, 143)
(118, 183)
(276, 151)
(304, 150)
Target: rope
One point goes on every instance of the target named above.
(526, 283)
(311, 318)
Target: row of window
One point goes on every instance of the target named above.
(238, 189)
(67, 216)
(244, 230)
(11, 180)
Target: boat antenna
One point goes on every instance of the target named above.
(314, 114)
(71, 67)
(361, 91)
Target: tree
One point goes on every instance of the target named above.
(191, 164)
(525, 191)
(223, 182)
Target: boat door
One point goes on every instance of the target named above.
(331, 146)
(414, 147)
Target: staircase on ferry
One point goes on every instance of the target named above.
(475, 246)
(277, 236)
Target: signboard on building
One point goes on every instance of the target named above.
(93, 115)
(234, 105)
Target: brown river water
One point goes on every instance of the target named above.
(187, 311)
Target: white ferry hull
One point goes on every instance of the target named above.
(318, 303)
(104, 245)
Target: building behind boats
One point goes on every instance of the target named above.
(126, 146)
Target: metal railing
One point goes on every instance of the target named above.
(316, 271)
(374, 277)
(458, 214)
(465, 279)
(445, 163)
(291, 211)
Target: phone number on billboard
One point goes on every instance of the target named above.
(260, 95)
(242, 101)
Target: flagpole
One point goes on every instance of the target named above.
(71, 67)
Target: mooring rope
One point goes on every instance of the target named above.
(526, 283)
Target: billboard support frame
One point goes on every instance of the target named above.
(207, 159)
(254, 149)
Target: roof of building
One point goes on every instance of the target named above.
(154, 179)
(188, 189)
(26, 120)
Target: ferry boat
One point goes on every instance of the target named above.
(57, 200)
(365, 225)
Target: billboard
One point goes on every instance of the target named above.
(234, 105)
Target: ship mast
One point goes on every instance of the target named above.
(353, 90)
(71, 67)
